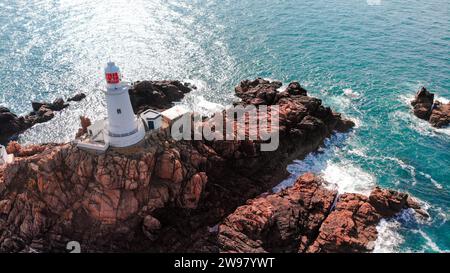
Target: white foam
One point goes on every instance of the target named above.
(205, 107)
(374, 2)
(196, 102)
(349, 178)
(388, 238)
(357, 122)
(340, 101)
(435, 183)
(442, 99)
(419, 125)
(344, 175)
(359, 152)
(406, 99)
(429, 242)
(350, 93)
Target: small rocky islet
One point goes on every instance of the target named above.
(190, 196)
(427, 108)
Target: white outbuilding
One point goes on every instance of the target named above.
(152, 119)
(171, 115)
(5, 158)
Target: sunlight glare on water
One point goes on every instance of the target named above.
(363, 58)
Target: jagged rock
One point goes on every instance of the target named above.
(440, 115)
(61, 193)
(351, 226)
(294, 88)
(85, 123)
(302, 218)
(387, 202)
(283, 222)
(77, 97)
(435, 112)
(10, 124)
(258, 91)
(143, 95)
(57, 105)
(157, 94)
(193, 190)
(150, 227)
(423, 103)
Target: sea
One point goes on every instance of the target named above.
(364, 58)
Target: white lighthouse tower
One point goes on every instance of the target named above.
(123, 127)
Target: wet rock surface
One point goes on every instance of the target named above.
(158, 95)
(174, 196)
(427, 108)
(307, 217)
(12, 125)
(144, 95)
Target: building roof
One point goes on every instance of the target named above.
(175, 112)
(150, 114)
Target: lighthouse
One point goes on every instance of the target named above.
(123, 128)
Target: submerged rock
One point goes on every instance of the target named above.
(435, 112)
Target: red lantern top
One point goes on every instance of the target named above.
(112, 78)
(112, 73)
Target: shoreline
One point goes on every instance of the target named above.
(167, 185)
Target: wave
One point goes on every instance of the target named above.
(350, 93)
(349, 178)
(430, 244)
(342, 174)
(421, 126)
(374, 2)
(416, 124)
(389, 239)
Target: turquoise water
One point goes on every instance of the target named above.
(365, 58)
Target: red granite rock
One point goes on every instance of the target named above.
(59, 193)
(435, 112)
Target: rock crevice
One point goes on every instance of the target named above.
(168, 195)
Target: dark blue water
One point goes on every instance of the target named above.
(365, 58)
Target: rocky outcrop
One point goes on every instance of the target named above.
(440, 115)
(308, 217)
(85, 122)
(157, 94)
(11, 125)
(77, 97)
(163, 195)
(435, 112)
(144, 95)
(283, 222)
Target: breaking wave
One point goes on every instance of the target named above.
(342, 174)
(389, 238)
